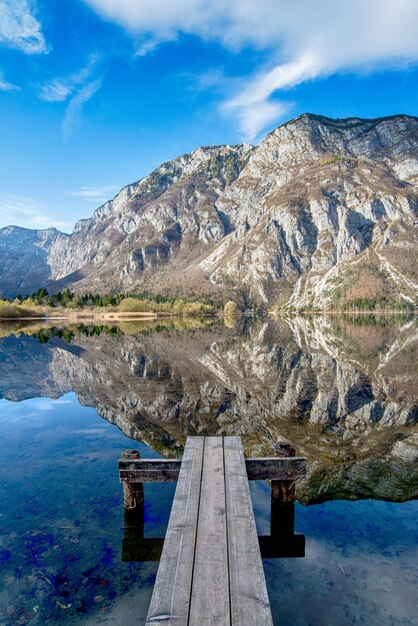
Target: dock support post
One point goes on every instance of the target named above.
(282, 519)
(133, 503)
(133, 495)
(283, 491)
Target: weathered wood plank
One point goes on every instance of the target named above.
(148, 476)
(209, 603)
(171, 597)
(150, 464)
(161, 470)
(248, 591)
(149, 470)
(272, 468)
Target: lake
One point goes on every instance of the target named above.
(342, 390)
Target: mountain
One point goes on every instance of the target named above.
(24, 258)
(323, 212)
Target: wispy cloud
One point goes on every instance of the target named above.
(252, 104)
(25, 212)
(95, 195)
(304, 40)
(76, 88)
(59, 89)
(213, 78)
(147, 46)
(254, 116)
(55, 91)
(5, 85)
(72, 118)
(19, 27)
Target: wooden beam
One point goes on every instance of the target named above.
(167, 470)
(148, 476)
(275, 468)
(171, 465)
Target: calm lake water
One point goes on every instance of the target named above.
(73, 398)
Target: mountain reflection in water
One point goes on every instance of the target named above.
(343, 391)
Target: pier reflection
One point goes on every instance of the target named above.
(281, 543)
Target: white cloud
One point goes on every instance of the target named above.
(214, 78)
(253, 117)
(19, 27)
(55, 91)
(146, 47)
(59, 89)
(95, 195)
(253, 106)
(72, 118)
(25, 212)
(5, 85)
(304, 40)
(77, 88)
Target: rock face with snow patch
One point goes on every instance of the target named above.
(322, 213)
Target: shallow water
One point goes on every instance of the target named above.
(343, 392)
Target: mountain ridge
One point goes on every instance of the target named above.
(282, 222)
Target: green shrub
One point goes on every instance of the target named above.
(133, 305)
(13, 311)
(8, 310)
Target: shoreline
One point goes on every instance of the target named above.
(120, 316)
(111, 316)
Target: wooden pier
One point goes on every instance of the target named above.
(211, 570)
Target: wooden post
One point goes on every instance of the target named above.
(283, 491)
(133, 502)
(133, 496)
(282, 519)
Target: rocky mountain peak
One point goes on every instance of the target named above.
(314, 136)
(285, 222)
(18, 231)
(206, 159)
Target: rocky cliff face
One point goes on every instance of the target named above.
(318, 198)
(25, 258)
(321, 213)
(341, 392)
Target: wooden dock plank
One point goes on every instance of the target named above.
(210, 590)
(248, 592)
(211, 570)
(171, 597)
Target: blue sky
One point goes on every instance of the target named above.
(96, 93)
